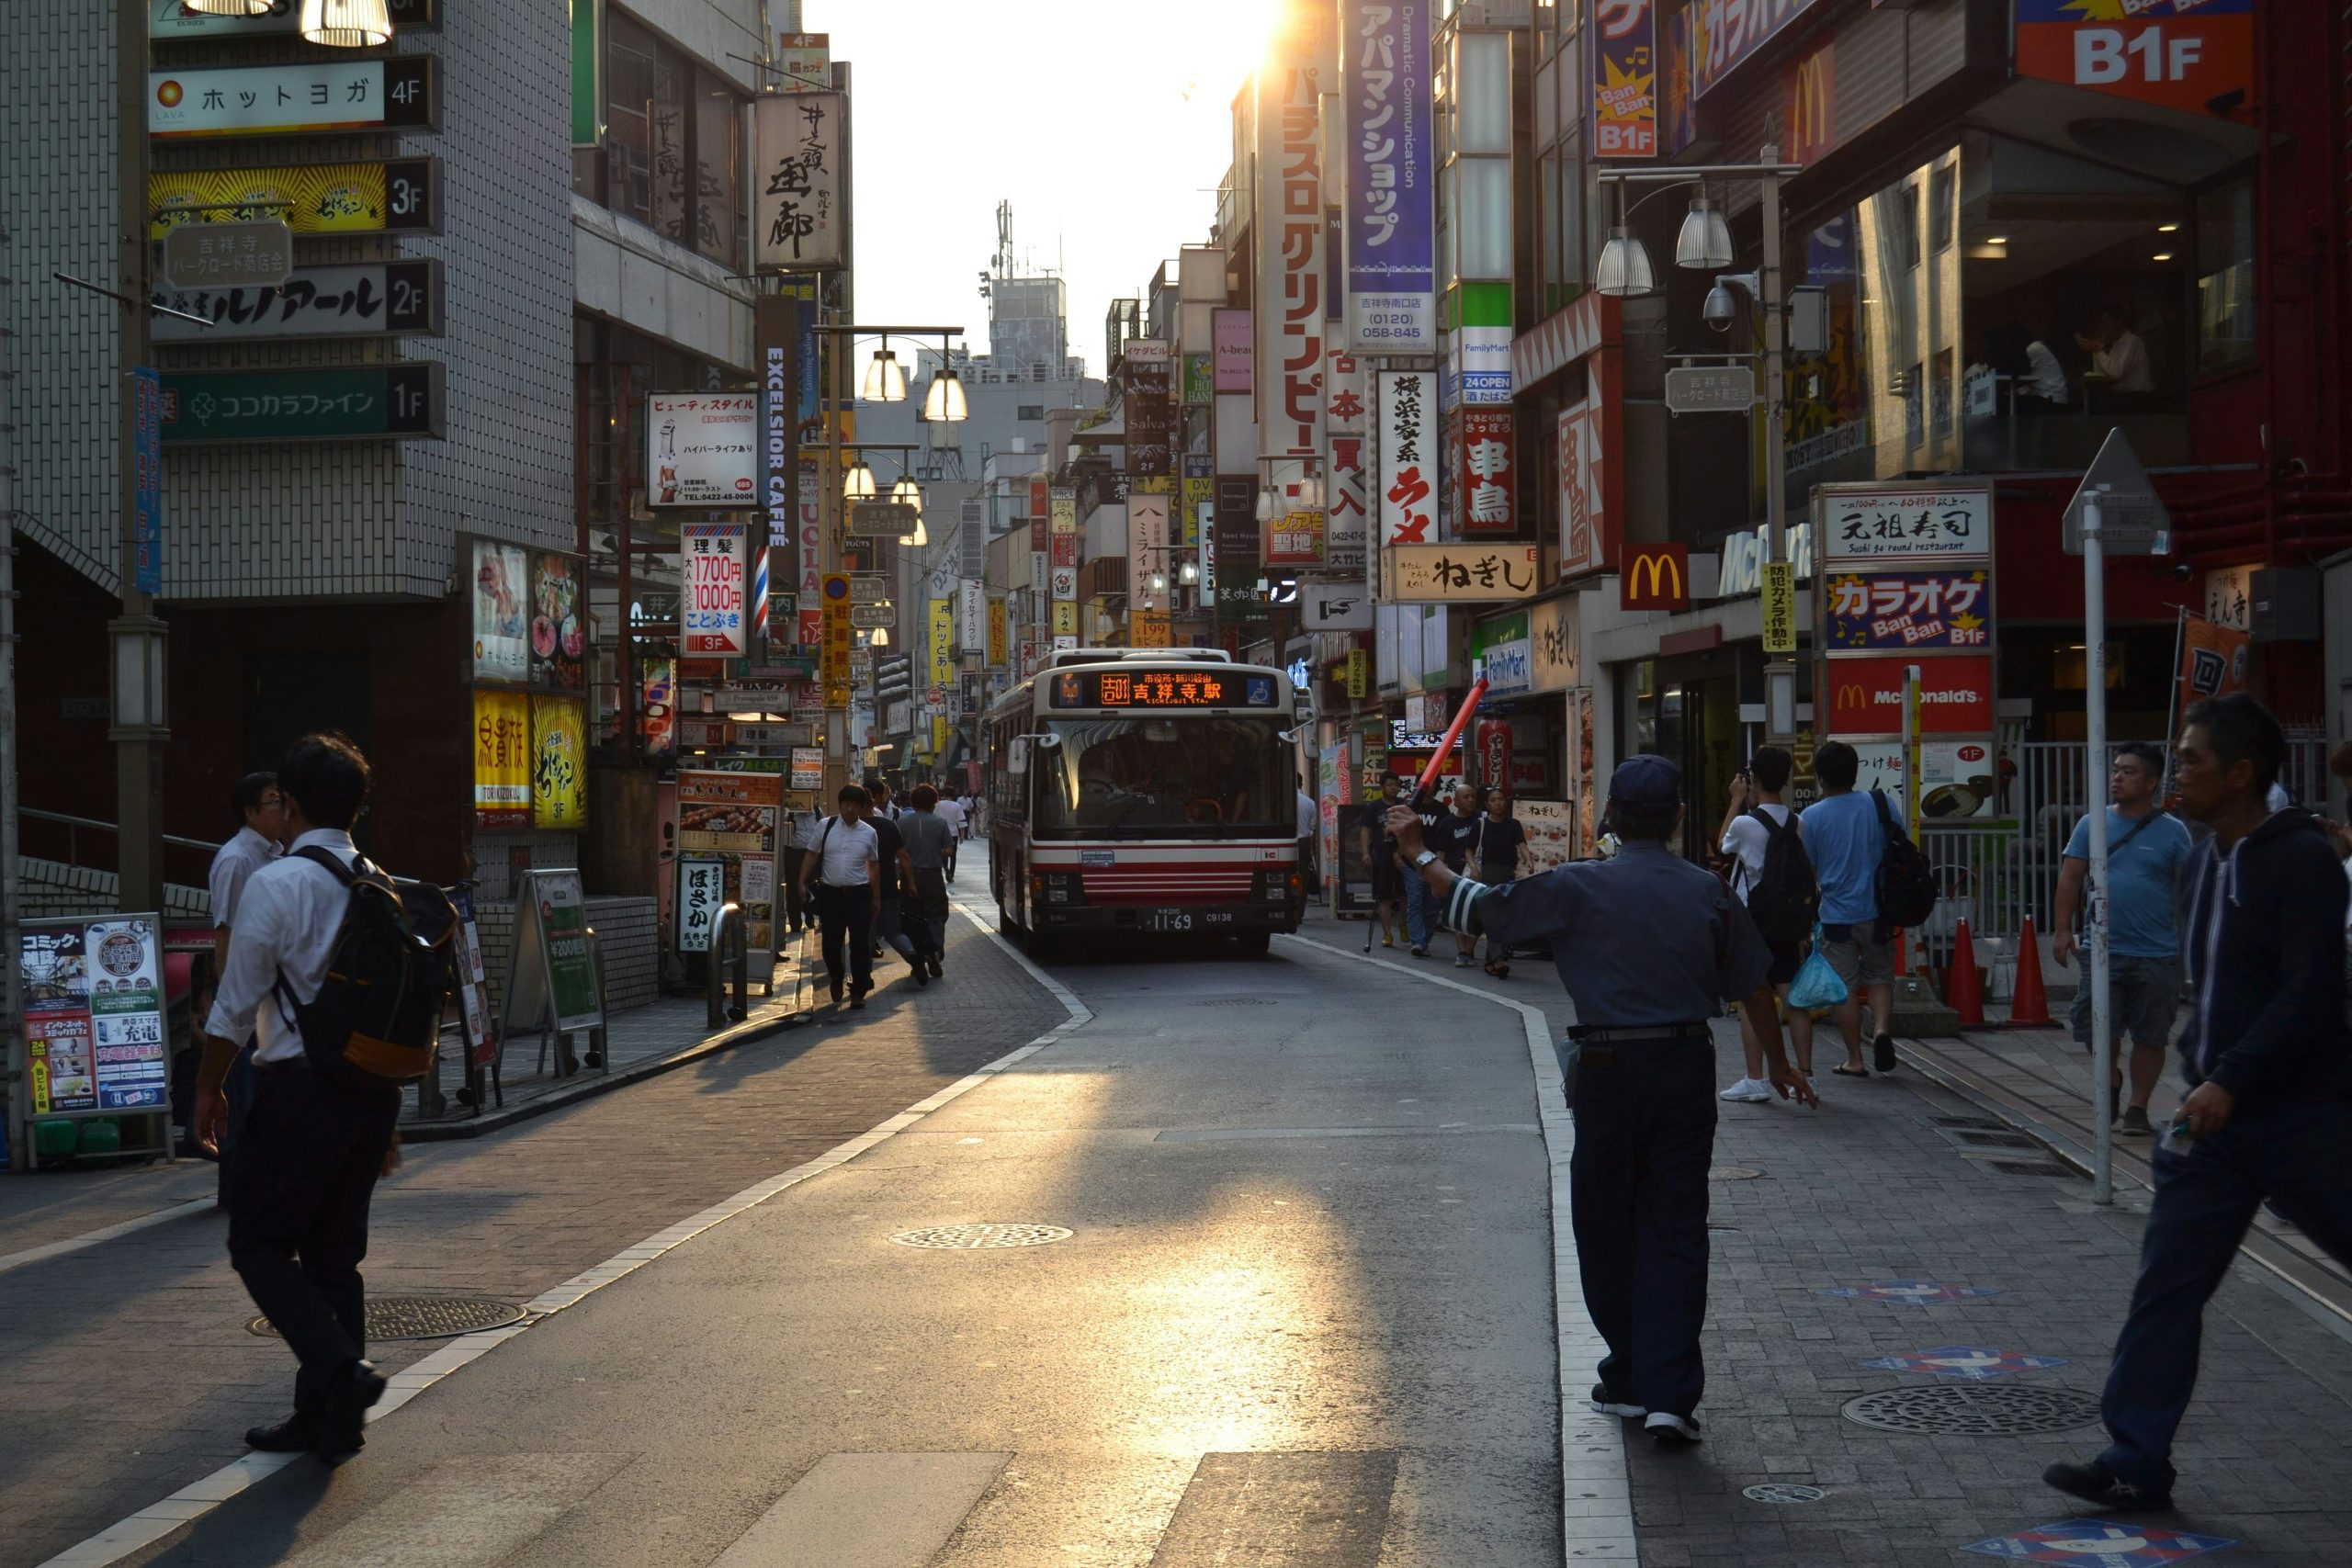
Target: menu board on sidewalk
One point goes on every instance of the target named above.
(554, 982)
(732, 810)
(94, 1015)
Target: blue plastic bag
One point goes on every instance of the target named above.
(1817, 985)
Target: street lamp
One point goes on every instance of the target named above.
(944, 404)
(231, 8)
(880, 639)
(857, 482)
(1188, 572)
(906, 492)
(1624, 270)
(1704, 244)
(345, 24)
(918, 540)
(886, 378)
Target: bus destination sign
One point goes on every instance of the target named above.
(1162, 689)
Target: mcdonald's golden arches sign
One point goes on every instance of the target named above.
(1655, 576)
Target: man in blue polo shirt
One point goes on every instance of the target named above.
(1846, 839)
(2146, 847)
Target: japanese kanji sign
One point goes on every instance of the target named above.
(559, 763)
(371, 299)
(388, 402)
(797, 218)
(502, 758)
(255, 253)
(1391, 261)
(1290, 299)
(1911, 609)
(1464, 573)
(147, 462)
(1152, 416)
(833, 611)
(1404, 483)
(1486, 478)
(397, 92)
(702, 888)
(1897, 523)
(711, 590)
(702, 448)
(398, 198)
(1347, 464)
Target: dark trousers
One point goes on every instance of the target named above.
(793, 901)
(1638, 1195)
(891, 927)
(2206, 1197)
(927, 912)
(847, 913)
(298, 1192)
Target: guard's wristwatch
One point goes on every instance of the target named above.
(1423, 859)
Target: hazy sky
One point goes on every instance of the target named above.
(1106, 123)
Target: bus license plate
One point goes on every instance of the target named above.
(1168, 920)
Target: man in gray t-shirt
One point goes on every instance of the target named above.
(931, 845)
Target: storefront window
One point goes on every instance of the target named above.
(718, 175)
(1910, 322)
(674, 143)
(2225, 278)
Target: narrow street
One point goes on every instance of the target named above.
(1276, 1289)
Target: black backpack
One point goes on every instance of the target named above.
(1906, 884)
(1786, 896)
(377, 1014)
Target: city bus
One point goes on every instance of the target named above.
(1145, 792)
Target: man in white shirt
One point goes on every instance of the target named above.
(260, 815)
(1747, 839)
(1310, 833)
(799, 833)
(313, 1146)
(950, 810)
(2116, 352)
(841, 870)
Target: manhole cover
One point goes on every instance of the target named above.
(1733, 1173)
(1782, 1492)
(1992, 1140)
(968, 1238)
(1998, 1410)
(424, 1318)
(1984, 1123)
(2032, 1168)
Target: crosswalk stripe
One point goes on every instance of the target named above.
(867, 1511)
(1282, 1511)
(467, 1512)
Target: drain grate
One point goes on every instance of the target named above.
(1983, 1124)
(1971, 1410)
(1993, 1140)
(1234, 1002)
(1733, 1173)
(2034, 1167)
(980, 1237)
(1782, 1492)
(423, 1317)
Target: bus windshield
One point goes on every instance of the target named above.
(1155, 776)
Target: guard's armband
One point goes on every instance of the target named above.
(1461, 913)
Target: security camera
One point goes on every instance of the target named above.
(2183, 571)
(1720, 309)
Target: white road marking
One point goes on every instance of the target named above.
(868, 1510)
(91, 1238)
(1597, 1516)
(159, 1519)
(469, 1512)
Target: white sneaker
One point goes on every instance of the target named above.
(1750, 1092)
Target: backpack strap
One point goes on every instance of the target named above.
(1885, 816)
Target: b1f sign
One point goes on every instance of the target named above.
(2179, 54)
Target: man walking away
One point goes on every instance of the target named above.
(1845, 840)
(950, 808)
(315, 1142)
(2146, 847)
(847, 893)
(259, 812)
(1752, 827)
(897, 880)
(930, 846)
(2270, 1110)
(1649, 947)
(1502, 837)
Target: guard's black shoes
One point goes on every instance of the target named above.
(343, 1412)
(2094, 1482)
(1672, 1431)
(1607, 1404)
(292, 1436)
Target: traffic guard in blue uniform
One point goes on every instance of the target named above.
(1648, 947)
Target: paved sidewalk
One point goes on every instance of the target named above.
(1883, 1187)
(126, 1369)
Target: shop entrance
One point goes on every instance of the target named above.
(1687, 709)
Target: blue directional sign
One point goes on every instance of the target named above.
(1909, 1293)
(1975, 1362)
(2095, 1543)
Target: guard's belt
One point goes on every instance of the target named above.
(1654, 1033)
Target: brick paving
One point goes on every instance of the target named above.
(1869, 1191)
(126, 1369)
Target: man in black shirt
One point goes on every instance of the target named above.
(897, 874)
(1453, 835)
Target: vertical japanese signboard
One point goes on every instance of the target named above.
(1062, 509)
(559, 764)
(996, 633)
(94, 1015)
(1347, 488)
(1488, 478)
(775, 333)
(835, 624)
(942, 641)
(702, 890)
(711, 591)
(798, 223)
(1290, 305)
(1624, 78)
(1152, 415)
(1391, 225)
(1147, 539)
(1404, 482)
(1233, 356)
(502, 758)
(147, 462)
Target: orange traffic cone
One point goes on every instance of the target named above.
(1965, 991)
(2028, 1009)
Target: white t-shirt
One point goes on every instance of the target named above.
(1747, 839)
(850, 850)
(952, 813)
(1310, 815)
(2126, 359)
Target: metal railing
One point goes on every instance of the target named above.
(73, 825)
(730, 951)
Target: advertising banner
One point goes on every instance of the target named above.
(1891, 523)
(1147, 539)
(1347, 475)
(401, 402)
(1151, 412)
(1334, 607)
(702, 890)
(1903, 610)
(559, 631)
(173, 22)
(1957, 778)
(775, 340)
(971, 616)
(147, 464)
(1726, 32)
(371, 299)
(1061, 504)
(2213, 660)
(1656, 577)
(1555, 644)
(1463, 573)
(1065, 621)
(997, 633)
(658, 716)
(731, 811)
(1488, 482)
(94, 1015)
(1200, 381)
(1390, 214)
(1404, 482)
(942, 641)
(799, 218)
(317, 98)
(702, 448)
(502, 759)
(1625, 78)
(2177, 55)
(559, 764)
(1296, 537)
(1866, 694)
(1063, 583)
(1290, 293)
(710, 594)
(401, 197)
(1235, 356)
(836, 639)
(555, 966)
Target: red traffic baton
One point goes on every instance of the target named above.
(1453, 733)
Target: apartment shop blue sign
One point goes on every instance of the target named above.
(1391, 219)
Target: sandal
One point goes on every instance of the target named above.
(1844, 1071)
(1499, 971)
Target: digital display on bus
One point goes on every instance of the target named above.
(1200, 688)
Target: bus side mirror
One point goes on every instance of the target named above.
(1016, 756)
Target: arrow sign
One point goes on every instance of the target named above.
(2133, 520)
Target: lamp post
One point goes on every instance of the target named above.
(1704, 245)
(941, 404)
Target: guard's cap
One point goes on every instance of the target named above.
(1646, 781)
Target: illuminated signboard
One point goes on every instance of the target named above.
(1163, 689)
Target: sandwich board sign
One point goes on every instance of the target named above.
(552, 983)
